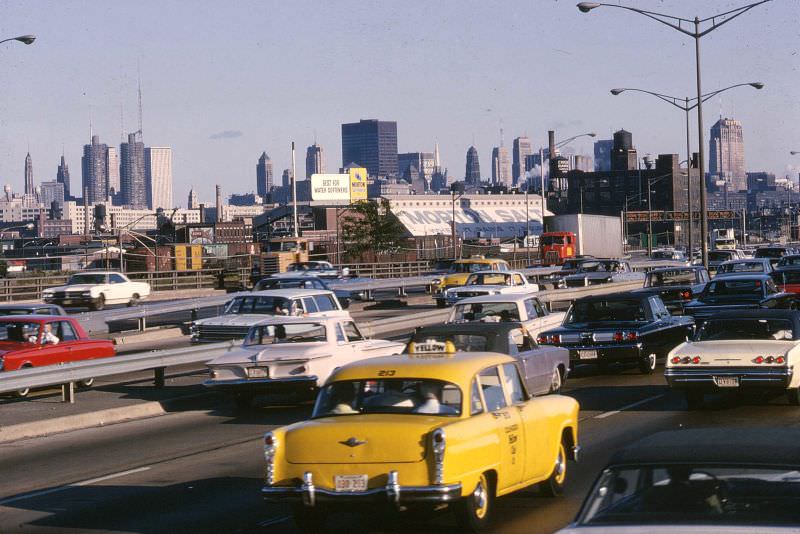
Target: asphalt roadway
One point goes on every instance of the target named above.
(200, 469)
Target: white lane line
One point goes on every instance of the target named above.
(628, 407)
(275, 521)
(34, 494)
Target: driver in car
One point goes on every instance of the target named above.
(48, 337)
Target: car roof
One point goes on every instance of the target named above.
(791, 315)
(287, 293)
(456, 367)
(721, 445)
(475, 327)
(787, 268)
(25, 306)
(622, 295)
(489, 271)
(32, 318)
(292, 278)
(676, 268)
(486, 299)
(479, 260)
(745, 276)
(337, 315)
(745, 260)
(90, 271)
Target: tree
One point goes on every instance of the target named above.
(371, 226)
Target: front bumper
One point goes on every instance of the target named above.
(749, 377)
(608, 353)
(263, 385)
(392, 493)
(70, 300)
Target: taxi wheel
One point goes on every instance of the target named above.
(647, 365)
(793, 394)
(308, 519)
(554, 486)
(474, 512)
(555, 382)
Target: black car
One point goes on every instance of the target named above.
(738, 293)
(620, 327)
(302, 282)
(773, 252)
(791, 260)
(675, 285)
(698, 480)
(570, 266)
(31, 309)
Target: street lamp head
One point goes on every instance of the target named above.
(585, 7)
(29, 226)
(26, 39)
(591, 134)
(794, 152)
(757, 85)
(617, 91)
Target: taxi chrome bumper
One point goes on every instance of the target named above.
(393, 493)
(748, 377)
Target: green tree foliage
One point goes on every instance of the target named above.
(370, 227)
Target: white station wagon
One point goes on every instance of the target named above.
(737, 350)
(250, 309)
(490, 283)
(293, 354)
(525, 308)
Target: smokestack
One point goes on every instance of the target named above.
(551, 147)
(219, 203)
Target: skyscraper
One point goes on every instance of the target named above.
(193, 203)
(62, 177)
(501, 166)
(94, 166)
(286, 178)
(521, 149)
(726, 154)
(29, 175)
(158, 173)
(424, 162)
(112, 170)
(371, 144)
(602, 155)
(52, 192)
(264, 176)
(315, 160)
(133, 181)
(472, 176)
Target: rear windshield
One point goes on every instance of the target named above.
(467, 267)
(742, 267)
(670, 278)
(790, 260)
(725, 288)
(598, 266)
(448, 342)
(718, 329)
(490, 311)
(601, 310)
(266, 305)
(488, 279)
(787, 277)
(286, 333)
(770, 253)
(719, 255)
(391, 396)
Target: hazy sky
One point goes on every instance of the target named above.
(224, 81)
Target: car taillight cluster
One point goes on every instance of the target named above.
(769, 359)
(687, 294)
(685, 360)
(621, 336)
(552, 339)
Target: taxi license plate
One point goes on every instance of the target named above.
(258, 372)
(587, 354)
(349, 483)
(727, 381)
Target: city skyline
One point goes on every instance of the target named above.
(216, 139)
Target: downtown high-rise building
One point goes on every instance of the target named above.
(158, 176)
(94, 166)
(29, 188)
(112, 171)
(52, 192)
(521, 149)
(501, 166)
(726, 154)
(371, 144)
(193, 203)
(423, 162)
(62, 177)
(133, 180)
(472, 175)
(315, 160)
(264, 176)
(286, 178)
(602, 155)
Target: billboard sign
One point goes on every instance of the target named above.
(330, 187)
(358, 184)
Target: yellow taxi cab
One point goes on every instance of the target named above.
(422, 429)
(459, 272)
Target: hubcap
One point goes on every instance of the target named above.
(479, 495)
(561, 465)
(651, 361)
(556, 380)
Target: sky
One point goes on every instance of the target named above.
(224, 81)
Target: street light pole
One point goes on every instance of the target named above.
(675, 23)
(689, 206)
(649, 219)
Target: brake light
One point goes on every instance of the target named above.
(759, 359)
(780, 359)
(618, 336)
(541, 340)
(676, 359)
(696, 360)
(632, 336)
(555, 338)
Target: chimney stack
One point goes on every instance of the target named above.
(219, 203)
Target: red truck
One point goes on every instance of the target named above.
(580, 234)
(555, 247)
(36, 340)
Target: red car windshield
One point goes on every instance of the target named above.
(19, 332)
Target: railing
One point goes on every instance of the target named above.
(389, 269)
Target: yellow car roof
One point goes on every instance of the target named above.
(456, 367)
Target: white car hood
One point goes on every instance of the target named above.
(271, 353)
(234, 319)
(484, 288)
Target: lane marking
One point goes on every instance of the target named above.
(628, 407)
(88, 482)
(275, 521)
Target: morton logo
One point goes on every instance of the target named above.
(353, 442)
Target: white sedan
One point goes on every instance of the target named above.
(527, 309)
(292, 355)
(96, 289)
(490, 283)
(733, 351)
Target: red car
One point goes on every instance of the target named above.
(36, 340)
(787, 278)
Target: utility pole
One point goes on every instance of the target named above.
(294, 195)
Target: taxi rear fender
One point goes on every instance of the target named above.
(472, 449)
